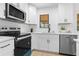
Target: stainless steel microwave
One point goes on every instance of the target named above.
(15, 13)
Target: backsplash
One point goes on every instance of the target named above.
(24, 27)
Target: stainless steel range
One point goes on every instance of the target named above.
(23, 45)
(22, 41)
(9, 31)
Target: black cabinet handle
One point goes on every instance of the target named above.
(48, 41)
(5, 46)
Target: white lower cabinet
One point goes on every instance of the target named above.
(54, 43)
(7, 48)
(34, 42)
(46, 42)
(43, 44)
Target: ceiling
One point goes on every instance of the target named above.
(44, 5)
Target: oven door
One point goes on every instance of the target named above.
(23, 42)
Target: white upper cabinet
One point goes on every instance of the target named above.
(24, 7)
(2, 10)
(31, 13)
(32, 16)
(66, 12)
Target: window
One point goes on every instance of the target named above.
(44, 21)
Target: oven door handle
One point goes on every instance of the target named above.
(23, 37)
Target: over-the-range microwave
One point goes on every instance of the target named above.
(12, 12)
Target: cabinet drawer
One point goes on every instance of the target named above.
(6, 46)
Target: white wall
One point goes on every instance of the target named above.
(53, 17)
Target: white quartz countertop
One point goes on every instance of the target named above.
(56, 33)
(5, 38)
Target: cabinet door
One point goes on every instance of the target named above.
(38, 42)
(2, 10)
(7, 48)
(34, 42)
(43, 42)
(32, 15)
(54, 43)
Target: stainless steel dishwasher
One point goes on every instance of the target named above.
(67, 45)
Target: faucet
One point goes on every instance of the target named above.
(48, 27)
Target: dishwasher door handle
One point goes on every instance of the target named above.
(5, 46)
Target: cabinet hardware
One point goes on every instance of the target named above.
(48, 41)
(5, 46)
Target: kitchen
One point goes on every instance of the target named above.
(37, 29)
